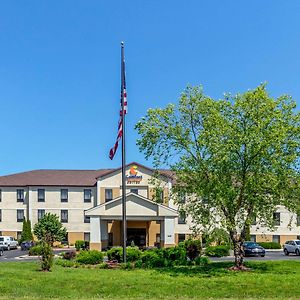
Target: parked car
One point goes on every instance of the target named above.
(253, 249)
(292, 246)
(8, 242)
(26, 245)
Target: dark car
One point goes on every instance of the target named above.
(26, 245)
(253, 249)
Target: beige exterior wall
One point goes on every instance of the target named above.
(153, 230)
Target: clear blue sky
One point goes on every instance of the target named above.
(60, 68)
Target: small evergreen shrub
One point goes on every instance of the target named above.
(201, 261)
(154, 259)
(132, 254)
(175, 255)
(270, 245)
(65, 263)
(46, 257)
(127, 266)
(103, 266)
(89, 257)
(69, 255)
(115, 253)
(217, 251)
(193, 248)
(35, 250)
(80, 245)
(138, 264)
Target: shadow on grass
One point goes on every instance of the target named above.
(215, 269)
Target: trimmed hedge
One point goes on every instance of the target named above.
(132, 254)
(217, 251)
(35, 250)
(89, 257)
(270, 245)
(82, 245)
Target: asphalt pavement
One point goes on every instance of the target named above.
(22, 256)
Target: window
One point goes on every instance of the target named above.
(87, 195)
(19, 235)
(41, 195)
(298, 237)
(20, 215)
(253, 238)
(182, 217)
(135, 191)
(110, 239)
(108, 195)
(0, 195)
(41, 213)
(276, 239)
(276, 218)
(20, 195)
(86, 218)
(64, 195)
(87, 236)
(64, 216)
(0, 215)
(181, 237)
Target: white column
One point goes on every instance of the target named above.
(167, 231)
(95, 229)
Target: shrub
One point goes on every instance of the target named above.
(154, 259)
(35, 250)
(193, 248)
(47, 257)
(132, 254)
(202, 261)
(89, 257)
(270, 245)
(217, 251)
(115, 254)
(138, 264)
(80, 245)
(69, 255)
(65, 263)
(127, 266)
(175, 255)
(103, 266)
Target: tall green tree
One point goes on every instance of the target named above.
(49, 229)
(26, 231)
(237, 158)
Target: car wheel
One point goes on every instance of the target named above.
(297, 252)
(263, 255)
(286, 252)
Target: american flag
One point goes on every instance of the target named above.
(123, 110)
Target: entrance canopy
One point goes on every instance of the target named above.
(137, 208)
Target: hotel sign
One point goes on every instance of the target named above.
(133, 177)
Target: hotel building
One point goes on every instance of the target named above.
(89, 204)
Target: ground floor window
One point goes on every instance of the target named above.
(110, 239)
(87, 236)
(181, 237)
(253, 238)
(276, 239)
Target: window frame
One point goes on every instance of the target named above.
(86, 219)
(105, 191)
(39, 213)
(65, 220)
(20, 199)
(85, 199)
(19, 220)
(61, 195)
(38, 195)
(182, 217)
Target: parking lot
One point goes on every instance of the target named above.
(18, 255)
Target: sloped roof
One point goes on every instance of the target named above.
(63, 177)
(53, 178)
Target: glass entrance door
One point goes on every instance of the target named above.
(136, 236)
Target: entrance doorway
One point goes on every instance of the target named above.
(136, 236)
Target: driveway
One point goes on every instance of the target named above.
(18, 255)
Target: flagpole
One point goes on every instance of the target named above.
(124, 225)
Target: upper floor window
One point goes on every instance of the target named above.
(86, 218)
(108, 195)
(64, 195)
(182, 217)
(41, 195)
(64, 216)
(20, 195)
(20, 215)
(276, 218)
(0, 195)
(87, 195)
(41, 213)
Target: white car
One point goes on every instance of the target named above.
(292, 246)
(8, 242)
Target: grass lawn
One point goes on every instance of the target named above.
(267, 280)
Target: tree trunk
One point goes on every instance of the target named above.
(237, 249)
